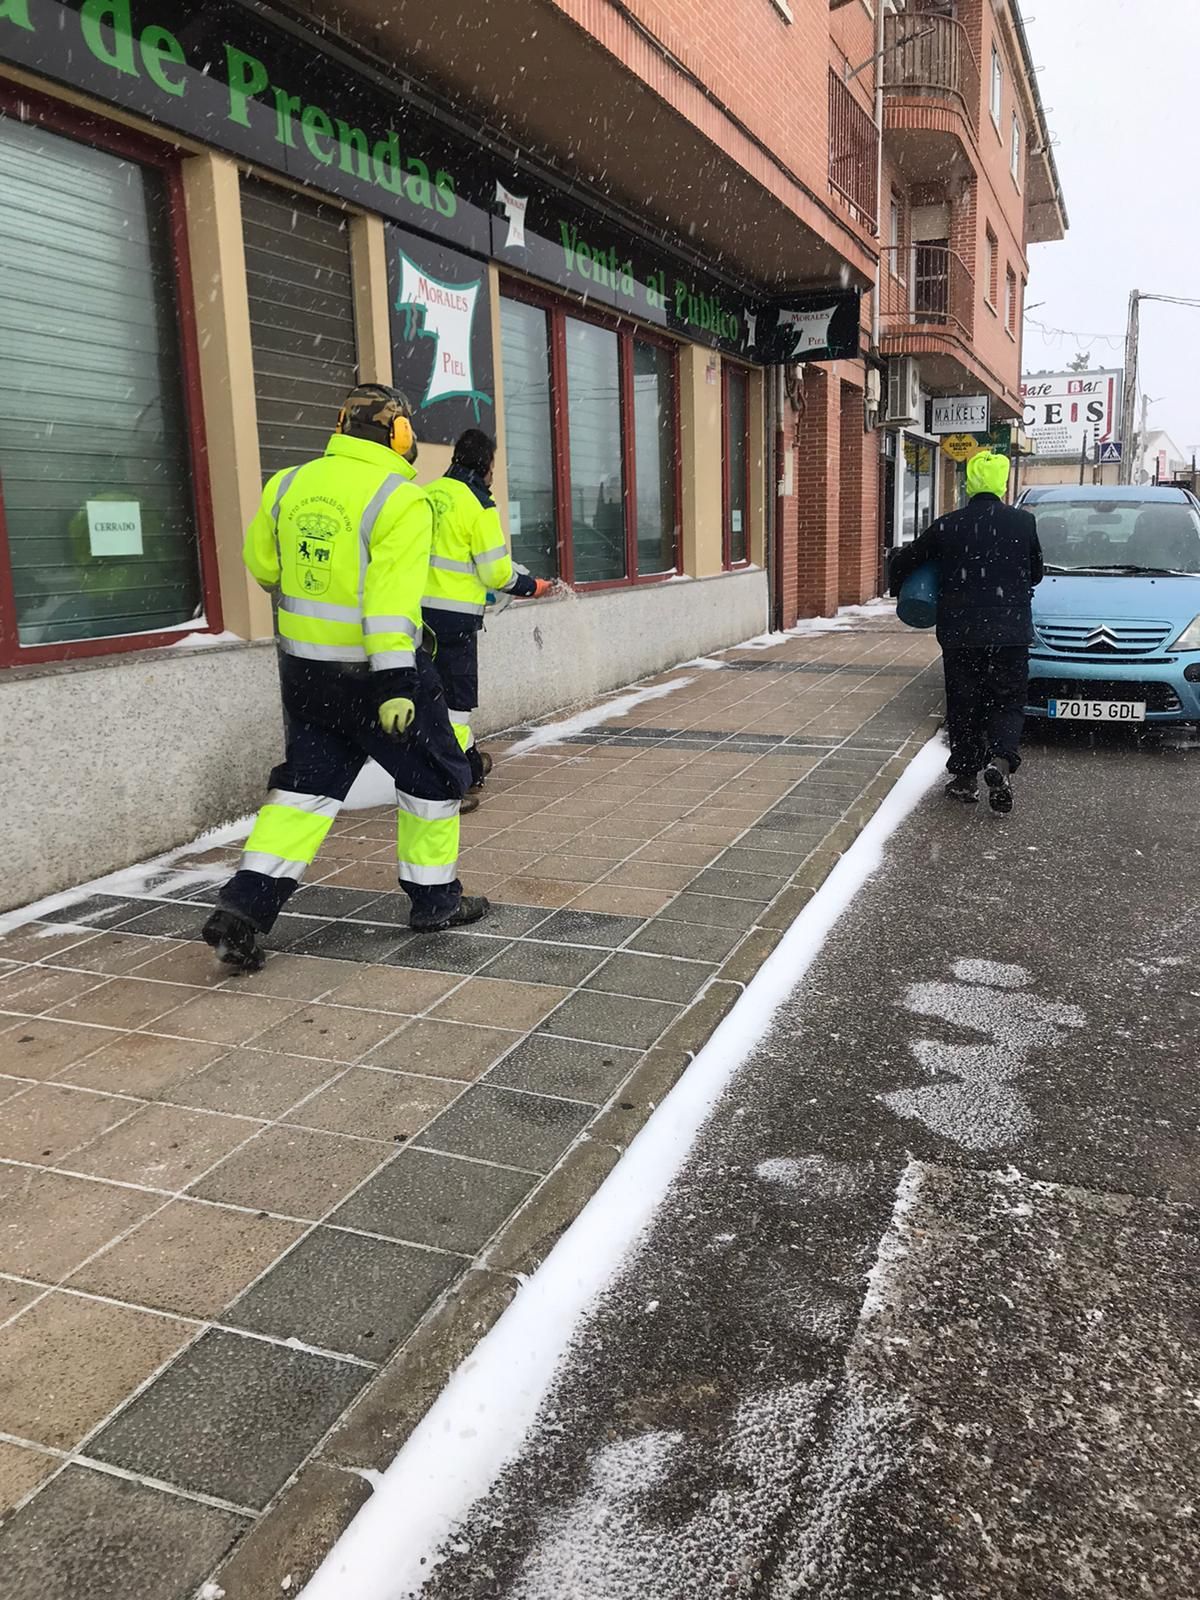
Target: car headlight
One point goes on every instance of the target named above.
(1189, 639)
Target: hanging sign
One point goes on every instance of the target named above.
(441, 335)
(960, 413)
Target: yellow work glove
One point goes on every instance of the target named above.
(396, 716)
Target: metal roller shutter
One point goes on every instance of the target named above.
(301, 320)
(91, 394)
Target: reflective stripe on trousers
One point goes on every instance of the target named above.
(288, 831)
(460, 721)
(426, 839)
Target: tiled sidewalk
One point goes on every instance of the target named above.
(231, 1206)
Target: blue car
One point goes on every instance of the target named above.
(1117, 616)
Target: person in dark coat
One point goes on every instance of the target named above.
(988, 562)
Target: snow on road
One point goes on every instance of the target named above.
(493, 1400)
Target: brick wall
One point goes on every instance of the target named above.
(858, 506)
(818, 493)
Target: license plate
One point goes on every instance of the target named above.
(1098, 710)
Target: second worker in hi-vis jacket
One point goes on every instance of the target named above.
(470, 559)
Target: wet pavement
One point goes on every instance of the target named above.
(243, 1220)
(921, 1316)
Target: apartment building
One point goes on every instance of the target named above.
(637, 239)
(969, 182)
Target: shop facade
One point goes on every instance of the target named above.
(199, 263)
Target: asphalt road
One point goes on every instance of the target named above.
(921, 1317)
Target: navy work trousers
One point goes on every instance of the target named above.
(986, 691)
(331, 726)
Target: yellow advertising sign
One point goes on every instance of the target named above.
(960, 446)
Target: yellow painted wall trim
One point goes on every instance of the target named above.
(222, 308)
(372, 320)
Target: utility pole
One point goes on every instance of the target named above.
(1129, 397)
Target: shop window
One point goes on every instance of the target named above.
(597, 464)
(529, 436)
(655, 408)
(302, 334)
(591, 427)
(100, 527)
(736, 410)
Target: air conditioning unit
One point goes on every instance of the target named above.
(903, 393)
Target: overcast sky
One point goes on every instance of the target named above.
(1121, 83)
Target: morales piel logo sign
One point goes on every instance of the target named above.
(441, 334)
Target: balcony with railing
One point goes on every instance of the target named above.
(853, 152)
(928, 55)
(926, 289)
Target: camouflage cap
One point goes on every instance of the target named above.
(373, 407)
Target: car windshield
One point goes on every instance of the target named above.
(1118, 535)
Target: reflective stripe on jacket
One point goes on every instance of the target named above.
(345, 539)
(469, 556)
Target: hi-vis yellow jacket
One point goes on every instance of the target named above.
(345, 539)
(469, 556)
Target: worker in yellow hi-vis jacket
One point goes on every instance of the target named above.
(345, 541)
(469, 560)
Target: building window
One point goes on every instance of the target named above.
(529, 436)
(896, 237)
(991, 267)
(655, 408)
(1014, 154)
(596, 455)
(736, 474)
(996, 100)
(591, 414)
(100, 522)
(1010, 301)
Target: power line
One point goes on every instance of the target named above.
(1082, 339)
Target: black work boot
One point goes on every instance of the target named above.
(998, 777)
(471, 908)
(481, 765)
(235, 939)
(964, 790)
(470, 802)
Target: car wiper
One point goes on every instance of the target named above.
(1128, 569)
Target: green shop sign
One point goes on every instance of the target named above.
(225, 75)
(237, 77)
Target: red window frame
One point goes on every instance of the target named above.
(558, 310)
(101, 134)
(730, 372)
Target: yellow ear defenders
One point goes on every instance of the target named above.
(402, 437)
